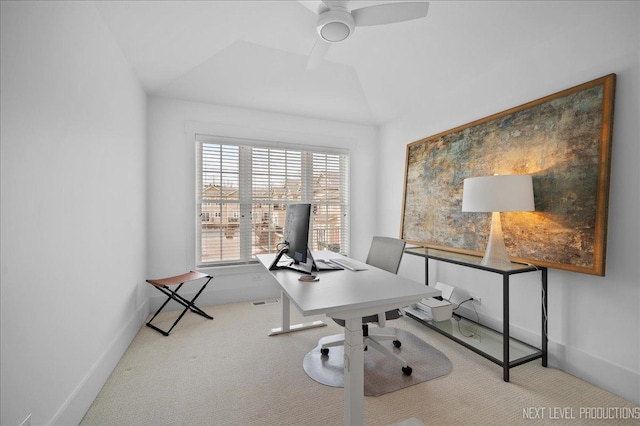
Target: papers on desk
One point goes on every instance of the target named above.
(324, 265)
(347, 264)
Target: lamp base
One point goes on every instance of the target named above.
(496, 252)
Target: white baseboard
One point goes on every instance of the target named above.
(215, 296)
(611, 377)
(601, 373)
(76, 406)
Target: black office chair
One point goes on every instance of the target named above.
(385, 253)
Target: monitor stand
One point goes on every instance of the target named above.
(305, 267)
(274, 265)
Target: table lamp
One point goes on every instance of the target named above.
(495, 194)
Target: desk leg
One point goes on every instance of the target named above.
(353, 372)
(286, 319)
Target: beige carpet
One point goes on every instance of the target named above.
(382, 374)
(229, 372)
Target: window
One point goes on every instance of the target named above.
(242, 193)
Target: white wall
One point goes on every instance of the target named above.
(594, 325)
(73, 141)
(74, 200)
(172, 125)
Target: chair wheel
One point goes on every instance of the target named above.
(397, 343)
(324, 351)
(407, 370)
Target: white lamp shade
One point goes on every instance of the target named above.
(504, 193)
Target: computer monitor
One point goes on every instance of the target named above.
(296, 231)
(295, 236)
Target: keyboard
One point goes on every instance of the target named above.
(347, 264)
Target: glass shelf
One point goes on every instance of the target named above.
(493, 345)
(468, 260)
(479, 338)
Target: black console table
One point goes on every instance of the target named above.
(514, 352)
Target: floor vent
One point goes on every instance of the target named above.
(265, 302)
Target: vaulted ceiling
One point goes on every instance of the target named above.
(254, 54)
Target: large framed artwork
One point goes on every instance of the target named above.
(563, 140)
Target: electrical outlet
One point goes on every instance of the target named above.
(477, 300)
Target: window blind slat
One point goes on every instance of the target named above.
(243, 191)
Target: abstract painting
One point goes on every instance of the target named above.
(563, 140)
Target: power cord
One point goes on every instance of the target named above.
(458, 317)
(463, 302)
(545, 318)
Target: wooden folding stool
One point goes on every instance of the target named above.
(163, 284)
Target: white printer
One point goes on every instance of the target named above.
(432, 308)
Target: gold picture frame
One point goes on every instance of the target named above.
(563, 140)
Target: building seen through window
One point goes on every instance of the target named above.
(243, 192)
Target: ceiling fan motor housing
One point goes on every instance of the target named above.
(335, 25)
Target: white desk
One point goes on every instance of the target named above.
(347, 295)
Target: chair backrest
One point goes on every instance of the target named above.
(386, 253)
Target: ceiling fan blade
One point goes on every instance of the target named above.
(316, 6)
(317, 53)
(389, 13)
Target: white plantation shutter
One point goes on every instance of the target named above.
(243, 190)
(218, 202)
(330, 198)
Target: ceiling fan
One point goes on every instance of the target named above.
(336, 23)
